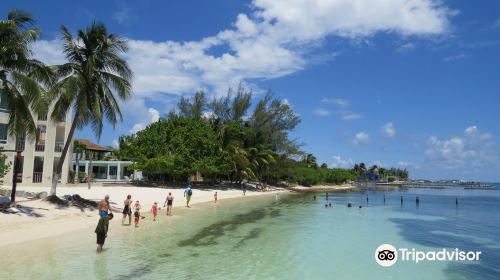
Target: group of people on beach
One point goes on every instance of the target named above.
(106, 213)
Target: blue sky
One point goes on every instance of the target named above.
(413, 84)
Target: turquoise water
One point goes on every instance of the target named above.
(293, 237)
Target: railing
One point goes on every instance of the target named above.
(37, 177)
(20, 144)
(58, 147)
(42, 117)
(40, 147)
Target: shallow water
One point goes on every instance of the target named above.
(293, 237)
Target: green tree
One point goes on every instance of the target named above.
(4, 168)
(179, 146)
(193, 108)
(88, 82)
(22, 78)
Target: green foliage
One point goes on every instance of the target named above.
(92, 81)
(301, 172)
(4, 168)
(214, 139)
(23, 80)
(178, 147)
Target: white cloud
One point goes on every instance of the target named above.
(404, 164)
(274, 39)
(455, 57)
(388, 130)
(50, 52)
(338, 162)
(349, 116)
(122, 14)
(360, 138)
(406, 47)
(115, 143)
(322, 112)
(344, 113)
(472, 150)
(337, 101)
(154, 116)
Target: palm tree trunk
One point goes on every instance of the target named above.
(58, 171)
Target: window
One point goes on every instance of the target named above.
(3, 102)
(3, 133)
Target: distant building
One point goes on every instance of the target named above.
(39, 157)
(100, 160)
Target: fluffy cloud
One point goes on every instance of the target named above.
(154, 117)
(474, 149)
(338, 162)
(360, 138)
(273, 40)
(388, 130)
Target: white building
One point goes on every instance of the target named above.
(38, 158)
(100, 161)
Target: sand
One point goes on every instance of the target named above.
(323, 188)
(55, 220)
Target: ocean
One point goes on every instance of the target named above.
(292, 236)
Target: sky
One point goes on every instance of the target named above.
(406, 83)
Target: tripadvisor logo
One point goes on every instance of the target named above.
(387, 255)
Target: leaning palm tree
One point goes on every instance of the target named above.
(22, 78)
(88, 82)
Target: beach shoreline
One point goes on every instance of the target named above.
(56, 220)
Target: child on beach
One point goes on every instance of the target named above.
(137, 213)
(154, 210)
(215, 197)
(102, 231)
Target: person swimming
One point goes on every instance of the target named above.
(349, 205)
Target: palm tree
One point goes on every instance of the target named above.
(22, 78)
(86, 83)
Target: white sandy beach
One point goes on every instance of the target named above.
(54, 220)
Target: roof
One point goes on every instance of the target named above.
(92, 146)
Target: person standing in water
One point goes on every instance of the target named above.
(215, 197)
(137, 213)
(244, 186)
(101, 231)
(127, 210)
(188, 192)
(169, 201)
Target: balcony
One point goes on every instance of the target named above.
(58, 147)
(42, 117)
(37, 177)
(40, 147)
(20, 142)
